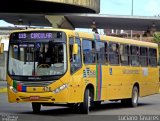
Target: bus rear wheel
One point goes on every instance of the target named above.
(133, 101)
(36, 107)
(135, 96)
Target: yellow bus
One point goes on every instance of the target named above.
(55, 66)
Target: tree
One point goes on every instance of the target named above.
(156, 39)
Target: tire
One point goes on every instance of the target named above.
(36, 107)
(133, 101)
(86, 102)
(135, 96)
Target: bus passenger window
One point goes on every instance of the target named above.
(89, 51)
(100, 51)
(124, 54)
(134, 57)
(143, 56)
(152, 57)
(113, 53)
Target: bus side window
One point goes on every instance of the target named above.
(100, 51)
(152, 57)
(113, 53)
(134, 57)
(89, 51)
(124, 54)
(71, 42)
(143, 56)
(75, 60)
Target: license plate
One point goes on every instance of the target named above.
(34, 98)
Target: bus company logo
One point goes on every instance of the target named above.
(127, 71)
(89, 73)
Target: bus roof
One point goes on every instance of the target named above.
(102, 37)
(119, 40)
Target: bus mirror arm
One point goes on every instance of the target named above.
(158, 62)
(75, 48)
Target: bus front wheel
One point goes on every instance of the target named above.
(36, 107)
(88, 97)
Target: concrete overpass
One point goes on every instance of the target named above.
(50, 6)
(71, 21)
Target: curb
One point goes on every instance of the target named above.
(2, 90)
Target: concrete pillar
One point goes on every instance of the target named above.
(3, 59)
(3, 63)
(59, 22)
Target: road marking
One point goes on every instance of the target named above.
(3, 89)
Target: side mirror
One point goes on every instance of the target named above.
(75, 48)
(1, 48)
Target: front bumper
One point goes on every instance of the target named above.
(48, 97)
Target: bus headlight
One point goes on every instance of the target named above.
(13, 89)
(60, 88)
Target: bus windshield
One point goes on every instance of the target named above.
(37, 58)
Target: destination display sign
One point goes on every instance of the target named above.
(35, 35)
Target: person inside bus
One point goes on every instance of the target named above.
(49, 53)
(114, 54)
(45, 58)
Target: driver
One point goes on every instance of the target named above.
(45, 57)
(49, 53)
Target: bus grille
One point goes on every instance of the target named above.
(35, 84)
(40, 98)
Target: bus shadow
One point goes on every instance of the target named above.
(69, 111)
(115, 106)
(54, 112)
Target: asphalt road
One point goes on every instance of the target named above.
(108, 110)
(3, 84)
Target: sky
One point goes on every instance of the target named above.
(124, 7)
